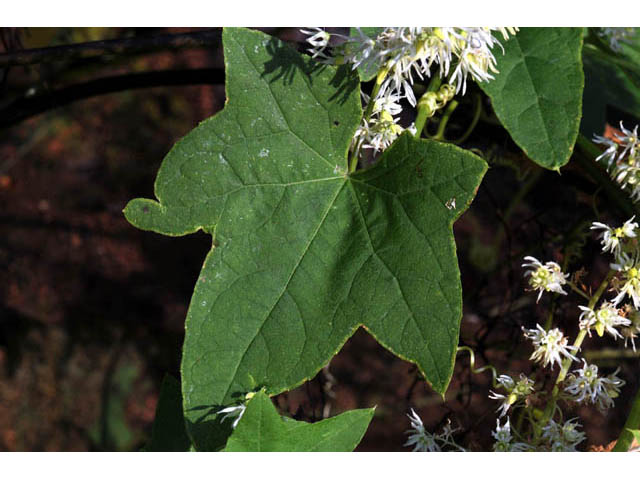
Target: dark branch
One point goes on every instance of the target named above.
(121, 46)
(26, 107)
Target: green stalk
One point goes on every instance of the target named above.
(566, 364)
(474, 121)
(444, 120)
(633, 423)
(424, 111)
(575, 288)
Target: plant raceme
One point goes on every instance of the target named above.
(331, 207)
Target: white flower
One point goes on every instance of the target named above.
(388, 102)
(612, 237)
(515, 391)
(361, 50)
(606, 318)
(616, 35)
(378, 133)
(408, 52)
(584, 385)
(627, 174)
(633, 330)
(476, 58)
(563, 438)
(623, 166)
(627, 266)
(630, 141)
(545, 278)
(233, 412)
(550, 346)
(610, 153)
(424, 441)
(319, 40)
(503, 438)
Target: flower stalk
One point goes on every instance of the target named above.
(633, 423)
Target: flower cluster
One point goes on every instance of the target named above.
(545, 278)
(563, 438)
(606, 318)
(515, 391)
(423, 441)
(550, 346)
(622, 156)
(585, 386)
(504, 439)
(614, 238)
(631, 331)
(399, 55)
(616, 35)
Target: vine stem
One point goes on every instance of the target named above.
(575, 288)
(444, 120)
(424, 110)
(353, 160)
(566, 364)
(633, 423)
(472, 365)
(474, 121)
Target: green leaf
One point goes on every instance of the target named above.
(303, 254)
(168, 433)
(368, 71)
(538, 93)
(608, 84)
(261, 429)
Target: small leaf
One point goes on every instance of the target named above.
(538, 93)
(261, 429)
(304, 254)
(168, 433)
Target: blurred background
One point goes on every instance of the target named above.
(92, 310)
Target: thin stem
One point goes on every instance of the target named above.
(576, 289)
(566, 364)
(474, 121)
(444, 120)
(472, 365)
(633, 423)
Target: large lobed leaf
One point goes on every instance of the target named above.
(261, 429)
(538, 93)
(303, 253)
